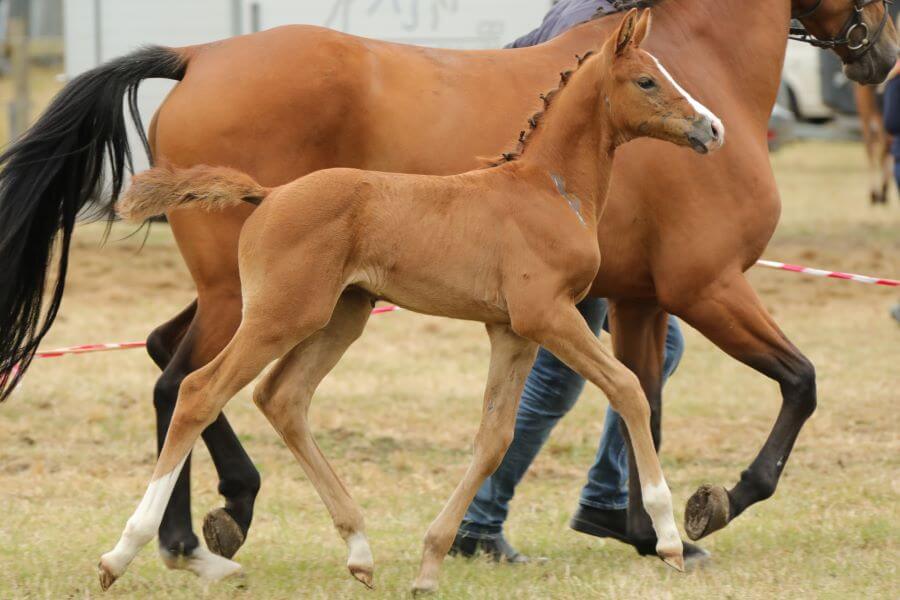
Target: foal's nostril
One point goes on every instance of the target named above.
(715, 131)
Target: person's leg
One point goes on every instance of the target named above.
(550, 392)
(607, 483)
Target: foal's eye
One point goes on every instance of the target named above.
(645, 83)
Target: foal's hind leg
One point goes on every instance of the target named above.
(511, 360)
(563, 331)
(181, 346)
(203, 394)
(284, 397)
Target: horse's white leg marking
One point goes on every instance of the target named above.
(143, 524)
(697, 105)
(202, 563)
(360, 560)
(658, 504)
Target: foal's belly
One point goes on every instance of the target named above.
(459, 295)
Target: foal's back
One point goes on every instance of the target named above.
(437, 245)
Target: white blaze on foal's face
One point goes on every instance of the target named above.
(644, 100)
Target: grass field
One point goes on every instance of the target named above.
(398, 415)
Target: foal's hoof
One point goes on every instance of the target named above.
(706, 511)
(107, 577)
(676, 561)
(364, 576)
(424, 587)
(222, 533)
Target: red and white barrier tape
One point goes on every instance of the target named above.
(88, 348)
(771, 264)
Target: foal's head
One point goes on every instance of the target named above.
(643, 100)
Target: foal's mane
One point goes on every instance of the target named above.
(524, 136)
(536, 118)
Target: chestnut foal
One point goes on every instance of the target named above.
(512, 246)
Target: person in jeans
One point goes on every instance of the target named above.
(551, 390)
(892, 126)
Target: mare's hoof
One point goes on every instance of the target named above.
(222, 533)
(706, 511)
(107, 577)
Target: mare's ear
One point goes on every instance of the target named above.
(642, 29)
(625, 33)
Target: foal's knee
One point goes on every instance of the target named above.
(627, 397)
(490, 448)
(193, 407)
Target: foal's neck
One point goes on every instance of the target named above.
(574, 142)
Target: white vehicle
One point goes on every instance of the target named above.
(802, 80)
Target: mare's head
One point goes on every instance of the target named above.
(861, 32)
(644, 100)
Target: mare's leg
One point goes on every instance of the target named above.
(638, 332)
(561, 330)
(731, 315)
(511, 360)
(284, 397)
(181, 346)
(260, 339)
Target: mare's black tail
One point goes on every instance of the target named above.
(48, 176)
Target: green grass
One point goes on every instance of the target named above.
(398, 415)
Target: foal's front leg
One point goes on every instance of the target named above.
(563, 331)
(511, 360)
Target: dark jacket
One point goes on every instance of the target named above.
(562, 17)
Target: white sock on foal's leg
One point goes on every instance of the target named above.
(360, 561)
(141, 528)
(202, 563)
(658, 504)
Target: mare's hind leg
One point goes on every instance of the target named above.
(511, 360)
(284, 397)
(181, 346)
(730, 315)
(561, 329)
(266, 333)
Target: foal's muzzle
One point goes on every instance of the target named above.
(706, 135)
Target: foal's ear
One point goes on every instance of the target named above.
(642, 29)
(626, 31)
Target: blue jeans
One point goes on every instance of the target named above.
(550, 392)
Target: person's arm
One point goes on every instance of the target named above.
(564, 15)
(535, 37)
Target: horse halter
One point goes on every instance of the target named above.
(854, 24)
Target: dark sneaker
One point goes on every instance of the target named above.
(613, 524)
(497, 548)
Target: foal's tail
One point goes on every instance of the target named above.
(161, 189)
(49, 176)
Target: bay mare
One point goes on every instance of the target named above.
(513, 246)
(286, 102)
